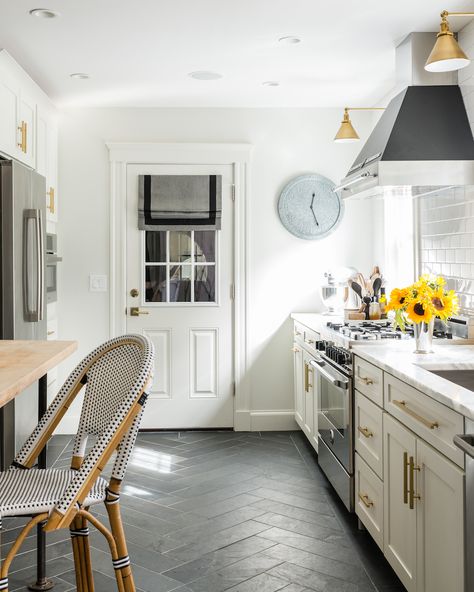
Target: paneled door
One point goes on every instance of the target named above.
(180, 284)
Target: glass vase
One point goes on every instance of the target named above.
(424, 337)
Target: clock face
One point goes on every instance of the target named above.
(309, 208)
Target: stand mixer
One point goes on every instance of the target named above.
(335, 292)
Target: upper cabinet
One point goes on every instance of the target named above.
(28, 126)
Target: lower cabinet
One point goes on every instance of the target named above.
(423, 513)
(298, 384)
(369, 499)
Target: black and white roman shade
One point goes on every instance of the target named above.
(179, 202)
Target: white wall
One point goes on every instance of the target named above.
(284, 270)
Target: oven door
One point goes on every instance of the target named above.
(335, 412)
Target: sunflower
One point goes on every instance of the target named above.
(398, 299)
(419, 311)
(445, 304)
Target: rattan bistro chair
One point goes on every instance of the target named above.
(116, 376)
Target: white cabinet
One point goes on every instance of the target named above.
(8, 115)
(308, 406)
(423, 507)
(440, 522)
(47, 158)
(26, 130)
(298, 384)
(369, 499)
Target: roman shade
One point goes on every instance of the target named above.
(179, 202)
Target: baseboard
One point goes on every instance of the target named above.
(265, 421)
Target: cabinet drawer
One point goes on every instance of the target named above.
(369, 499)
(369, 433)
(298, 332)
(432, 421)
(310, 338)
(368, 380)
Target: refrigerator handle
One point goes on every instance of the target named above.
(36, 314)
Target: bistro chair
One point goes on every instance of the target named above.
(116, 376)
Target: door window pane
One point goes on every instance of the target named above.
(205, 246)
(155, 283)
(205, 283)
(180, 283)
(155, 246)
(180, 247)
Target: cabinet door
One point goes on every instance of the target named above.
(298, 379)
(440, 523)
(26, 130)
(399, 520)
(308, 376)
(315, 381)
(8, 116)
(47, 158)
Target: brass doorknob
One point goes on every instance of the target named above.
(136, 312)
(134, 292)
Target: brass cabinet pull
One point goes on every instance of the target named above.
(403, 405)
(306, 371)
(405, 477)
(50, 332)
(297, 333)
(135, 311)
(413, 496)
(309, 341)
(51, 207)
(365, 499)
(295, 349)
(365, 431)
(23, 129)
(366, 380)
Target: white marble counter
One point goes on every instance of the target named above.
(314, 320)
(398, 359)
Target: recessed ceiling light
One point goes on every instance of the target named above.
(290, 40)
(270, 83)
(79, 75)
(205, 75)
(44, 13)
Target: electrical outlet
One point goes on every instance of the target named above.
(97, 283)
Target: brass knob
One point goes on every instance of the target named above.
(134, 293)
(136, 312)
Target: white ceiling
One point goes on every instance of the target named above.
(139, 52)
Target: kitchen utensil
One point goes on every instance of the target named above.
(367, 300)
(357, 288)
(377, 285)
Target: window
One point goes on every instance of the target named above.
(180, 266)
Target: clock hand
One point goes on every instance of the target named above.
(314, 215)
(312, 201)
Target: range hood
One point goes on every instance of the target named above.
(422, 141)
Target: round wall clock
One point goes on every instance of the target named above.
(309, 208)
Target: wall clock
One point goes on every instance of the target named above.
(309, 208)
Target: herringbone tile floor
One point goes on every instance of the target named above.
(215, 511)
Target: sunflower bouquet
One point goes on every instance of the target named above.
(423, 301)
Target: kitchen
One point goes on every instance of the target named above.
(262, 115)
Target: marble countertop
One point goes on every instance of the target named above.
(315, 320)
(398, 358)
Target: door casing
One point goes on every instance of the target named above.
(237, 155)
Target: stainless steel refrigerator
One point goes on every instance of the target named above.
(22, 286)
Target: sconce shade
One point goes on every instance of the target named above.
(446, 54)
(346, 132)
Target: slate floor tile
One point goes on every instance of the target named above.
(262, 583)
(313, 580)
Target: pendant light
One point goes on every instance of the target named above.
(446, 54)
(346, 132)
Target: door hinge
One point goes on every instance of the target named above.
(233, 192)
(232, 291)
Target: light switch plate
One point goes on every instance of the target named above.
(97, 283)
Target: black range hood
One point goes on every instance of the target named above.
(423, 139)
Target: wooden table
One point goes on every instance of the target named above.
(21, 364)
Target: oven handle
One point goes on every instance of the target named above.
(318, 364)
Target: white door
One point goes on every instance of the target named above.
(185, 300)
(399, 519)
(440, 528)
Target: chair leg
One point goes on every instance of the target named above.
(115, 518)
(16, 547)
(82, 557)
(112, 545)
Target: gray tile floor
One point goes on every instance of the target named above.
(214, 511)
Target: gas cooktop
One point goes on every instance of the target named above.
(375, 331)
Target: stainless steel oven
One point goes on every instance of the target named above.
(333, 376)
(51, 269)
